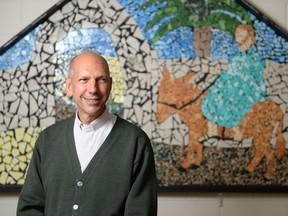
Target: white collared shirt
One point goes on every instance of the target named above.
(89, 138)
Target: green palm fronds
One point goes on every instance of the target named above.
(220, 14)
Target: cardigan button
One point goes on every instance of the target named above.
(79, 183)
(75, 207)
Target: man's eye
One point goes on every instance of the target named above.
(102, 80)
(83, 80)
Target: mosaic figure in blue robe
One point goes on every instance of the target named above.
(241, 86)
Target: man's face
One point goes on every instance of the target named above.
(90, 86)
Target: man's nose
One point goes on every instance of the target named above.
(93, 87)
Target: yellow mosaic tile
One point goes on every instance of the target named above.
(7, 146)
(7, 139)
(10, 133)
(19, 133)
(16, 169)
(4, 152)
(15, 152)
(16, 148)
(21, 181)
(27, 137)
(30, 131)
(2, 167)
(14, 163)
(14, 142)
(23, 158)
(10, 180)
(29, 155)
(8, 167)
(16, 175)
(32, 142)
(3, 178)
(22, 147)
(22, 166)
(116, 73)
(29, 148)
(7, 159)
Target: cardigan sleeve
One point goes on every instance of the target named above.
(32, 197)
(142, 199)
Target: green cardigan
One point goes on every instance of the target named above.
(119, 180)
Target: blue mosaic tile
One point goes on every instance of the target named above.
(21, 52)
(176, 44)
(270, 45)
(97, 39)
(223, 46)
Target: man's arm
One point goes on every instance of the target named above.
(142, 199)
(32, 197)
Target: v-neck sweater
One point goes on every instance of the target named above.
(119, 180)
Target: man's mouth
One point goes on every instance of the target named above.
(91, 99)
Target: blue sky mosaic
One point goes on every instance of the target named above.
(21, 52)
(97, 39)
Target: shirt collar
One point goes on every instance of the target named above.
(94, 125)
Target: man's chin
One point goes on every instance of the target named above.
(96, 112)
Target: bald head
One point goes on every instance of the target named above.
(86, 58)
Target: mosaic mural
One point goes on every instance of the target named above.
(207, 80)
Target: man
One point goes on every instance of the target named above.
(93, 163)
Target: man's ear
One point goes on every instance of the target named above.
(111, 82)
(68, 87)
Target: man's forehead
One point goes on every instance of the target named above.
(89, 57)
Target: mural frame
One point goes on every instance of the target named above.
(178, 188)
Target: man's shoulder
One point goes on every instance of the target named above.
(61, 125)
(124, 125)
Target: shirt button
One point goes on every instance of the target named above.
(79, 183)
(75, 207)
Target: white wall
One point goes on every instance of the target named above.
(276, 10)
(17, 14)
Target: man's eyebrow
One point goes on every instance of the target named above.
(83, 77)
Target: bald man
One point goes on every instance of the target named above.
(93, 163)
